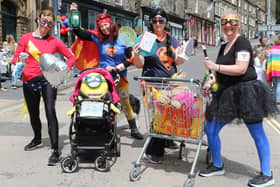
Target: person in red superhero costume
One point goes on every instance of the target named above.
(34, 83)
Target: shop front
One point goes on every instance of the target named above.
(202, 29)
(89, 11)
(9, 19)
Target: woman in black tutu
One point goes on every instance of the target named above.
(239, 96)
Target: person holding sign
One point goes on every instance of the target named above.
(35, 85)
(240, 95)
(159, 62)
(112, 56)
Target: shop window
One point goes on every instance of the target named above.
(118, 2)
(222, 9)
(217, 12)
(174, 6)
(92, 14)
(198, 31)
(8, 19)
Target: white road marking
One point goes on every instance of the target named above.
(273, 123)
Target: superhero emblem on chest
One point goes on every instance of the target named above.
(164, 58)
(111, 51)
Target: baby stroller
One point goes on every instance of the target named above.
(93, 127)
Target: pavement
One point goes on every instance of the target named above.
(21, 168)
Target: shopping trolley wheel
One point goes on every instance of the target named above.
(189, 182)
(208, 157)
(102, 164)
(134, 174)
(69, 164)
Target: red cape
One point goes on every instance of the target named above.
(86, 52)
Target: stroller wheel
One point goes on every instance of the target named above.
(69, 164)
(118, 145)
(102, 164)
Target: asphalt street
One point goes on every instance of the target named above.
(20, 168)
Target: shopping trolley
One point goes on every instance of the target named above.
(174, 109)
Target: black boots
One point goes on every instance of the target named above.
(134, 130)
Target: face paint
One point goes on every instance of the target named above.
(160, 20)
(45, 22)
(233, 22)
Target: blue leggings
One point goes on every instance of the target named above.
(256, 130)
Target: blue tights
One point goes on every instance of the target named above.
(256, 130)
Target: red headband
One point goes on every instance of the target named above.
(105, 20)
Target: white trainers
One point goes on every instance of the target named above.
(261, 180)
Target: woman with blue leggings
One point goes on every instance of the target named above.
(239, 95)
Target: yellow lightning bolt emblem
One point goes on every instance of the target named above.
(35, 53)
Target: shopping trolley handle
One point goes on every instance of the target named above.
(165, 79)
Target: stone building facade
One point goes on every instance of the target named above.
(18, 16)
(252, 14)
(188, 18)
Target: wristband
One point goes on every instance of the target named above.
(120, 67)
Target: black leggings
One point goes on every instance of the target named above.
(33, 104)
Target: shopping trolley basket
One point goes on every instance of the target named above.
(174, 109)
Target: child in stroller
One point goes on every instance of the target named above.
(93, 123)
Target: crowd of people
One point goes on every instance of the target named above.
(245, 76)
(7, 48)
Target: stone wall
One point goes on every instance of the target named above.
(126, 4)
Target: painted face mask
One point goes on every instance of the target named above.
(234, 22)
(160, 20)
(45, 22)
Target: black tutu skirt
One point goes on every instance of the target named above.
(249, 101)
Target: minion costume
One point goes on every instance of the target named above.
(94, 84)
(113, 53)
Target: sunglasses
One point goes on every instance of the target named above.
(159, 20)
(234, 22)
(45, 22)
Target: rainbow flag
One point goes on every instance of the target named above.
(273, 63)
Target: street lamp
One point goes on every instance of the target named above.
(257, 19)
(55, 11)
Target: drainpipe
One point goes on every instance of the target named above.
(268, 21)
